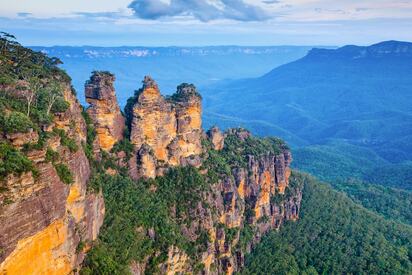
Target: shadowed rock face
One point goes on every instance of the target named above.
(45, 220)
(216, 137)
(104, 109)
(247, 198)
(250, 197)
(170, 127)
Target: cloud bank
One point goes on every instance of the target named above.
(202, 10)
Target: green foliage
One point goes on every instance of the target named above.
(333, 236)
(64, 173)
(397, 175)
(246, 236)
(17, 122)
(133, 207)
(100, 261)
(66, 141)
(216, 165)
(236, 150)
(189, 90)
(230, 234)
(393, 204)
(52, 156)
(12, 161)
(17, 61)
(80, 246)
(125, 146)
(35, 87)
(60, 106)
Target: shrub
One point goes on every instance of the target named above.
(60, 106)
(17, 122)
(51, 155)
(64, 173)
(66, 141)
(12, 161)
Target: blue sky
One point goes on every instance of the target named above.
(206, 22)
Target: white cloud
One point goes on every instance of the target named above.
(291, 22)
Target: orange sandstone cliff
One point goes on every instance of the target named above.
(104, 109)
(165, 131)
(45, 224)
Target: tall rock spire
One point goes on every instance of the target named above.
(104, 109)
(170, 127)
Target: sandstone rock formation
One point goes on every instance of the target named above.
(43, 220)
(248, 196)
(251, 197)
(170, 127)
(104, 109)
(216, 137)
(237, 210)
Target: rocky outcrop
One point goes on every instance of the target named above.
(104, 109)
(170, 127)
(43, 220)
(216, 137)
(194, 220)
(251, 198)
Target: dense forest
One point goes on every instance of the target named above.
(333, 236)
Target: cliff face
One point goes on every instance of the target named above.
(244, 204)
(210, 198)
(248, 190)
(104, 109)
(165, 132)
(43, 220)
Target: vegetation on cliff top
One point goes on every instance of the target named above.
(31, 94)
(19, 63)
(240, 144)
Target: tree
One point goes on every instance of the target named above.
(7, 39)
(53, 93)
(34, 87)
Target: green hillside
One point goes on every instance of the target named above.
(333, 236)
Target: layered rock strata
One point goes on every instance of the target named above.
(166, 131)
(236, 211)
(249, 198)
(104, 109)
(45, 222)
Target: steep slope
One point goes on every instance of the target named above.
(201, 200)
(393, 204)
(358, 94)
(48, 219)
(104, 109)
(198, 202)
(334, 236)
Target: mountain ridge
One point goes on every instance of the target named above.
(378, 50)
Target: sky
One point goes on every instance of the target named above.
(206, 22)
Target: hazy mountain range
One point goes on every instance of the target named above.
(348, 107)
(340, 106)
(170, 66)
